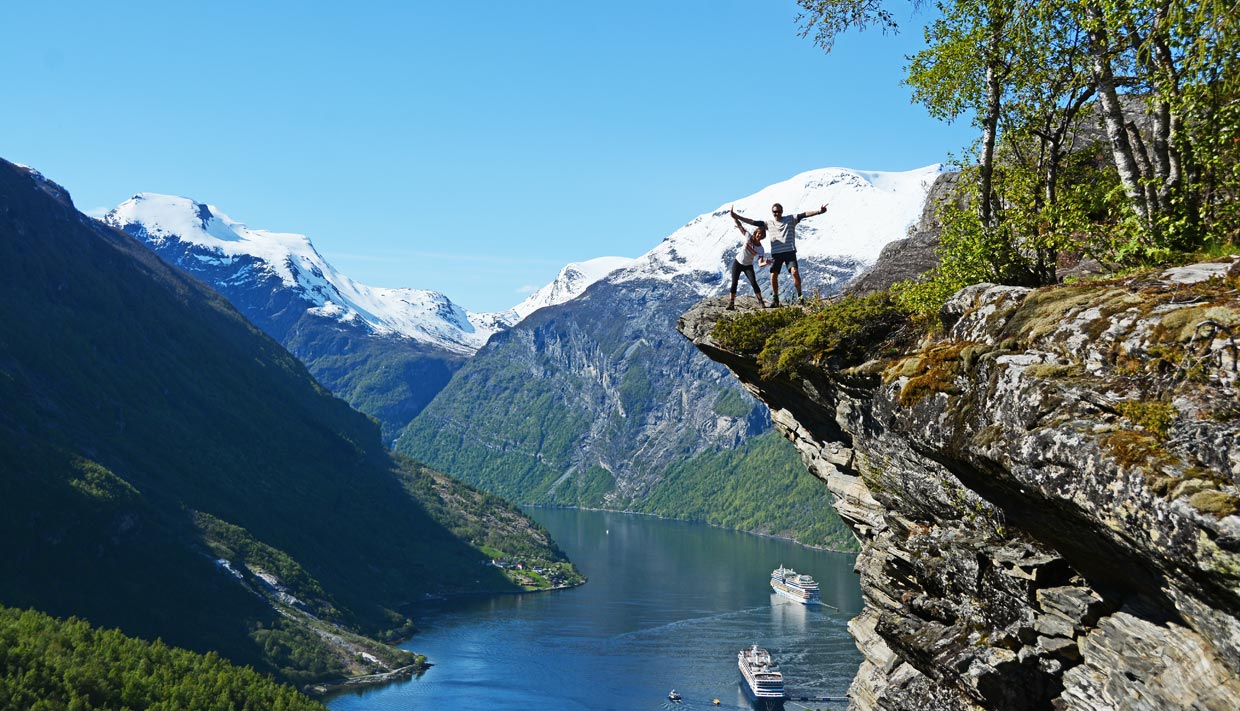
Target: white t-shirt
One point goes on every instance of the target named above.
(750, 249)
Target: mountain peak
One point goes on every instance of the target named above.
(572, 280)
(52, 188)
(865, 211)
(220, 249)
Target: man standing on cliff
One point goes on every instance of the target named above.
(782, 231)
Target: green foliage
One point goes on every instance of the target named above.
(1049, 187)
(494, 526)
(386, 378)
(835, 334)
(761, 487)
(748, 332)
(296, 653)
(594, 484)
(1023, 247)
(48, 665)
(95, 481)
(444, 436)
(635, 389)
(731, 403)
(236, 545)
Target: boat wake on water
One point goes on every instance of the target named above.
(694, 622)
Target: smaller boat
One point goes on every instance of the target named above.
(674, 695)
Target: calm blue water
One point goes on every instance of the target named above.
(668, 605)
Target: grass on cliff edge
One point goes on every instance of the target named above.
(835, 334)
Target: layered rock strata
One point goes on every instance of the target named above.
(1045, 493)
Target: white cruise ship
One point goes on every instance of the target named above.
(794, 586)
(761, 678)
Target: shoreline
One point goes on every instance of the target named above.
(326, 688)
(690, 520)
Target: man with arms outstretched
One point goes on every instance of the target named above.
(782, 231)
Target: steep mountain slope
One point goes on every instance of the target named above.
(598, 402)
(168, 469)
(385, 351)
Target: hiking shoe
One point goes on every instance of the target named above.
(731, 307)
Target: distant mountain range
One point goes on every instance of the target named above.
(599, 402)
(385, 351)
(583, 394)
(168, 469)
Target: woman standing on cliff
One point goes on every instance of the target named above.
(744, 260)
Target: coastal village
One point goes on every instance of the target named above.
(532, 576)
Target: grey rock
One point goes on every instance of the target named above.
(1032, 536)
(914, 255)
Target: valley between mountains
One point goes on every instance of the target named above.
(214, 438)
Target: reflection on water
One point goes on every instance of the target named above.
(789, 616)
(668, 605)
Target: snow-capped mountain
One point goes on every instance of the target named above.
(211, 240)
(865, 211)
(573, 279)
(612, 406)
(387, 352)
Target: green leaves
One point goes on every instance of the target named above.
(1157, 175)
(827, 19)
(51, 664)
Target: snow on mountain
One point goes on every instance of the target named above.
(865, 211)
(218, 240)
(573, 279)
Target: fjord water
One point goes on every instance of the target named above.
(668, 605)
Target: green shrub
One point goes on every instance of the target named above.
(748, 332)
(835, 334)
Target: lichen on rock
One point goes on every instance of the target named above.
(1046, 493)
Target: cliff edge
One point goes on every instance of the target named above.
(1045, 494)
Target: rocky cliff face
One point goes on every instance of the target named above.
(1046, 495)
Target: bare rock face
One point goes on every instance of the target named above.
(1046, 495)
(916, 254)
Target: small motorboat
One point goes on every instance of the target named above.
(673, 695)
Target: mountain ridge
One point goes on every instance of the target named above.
(597, 401)
(387, 352)
(150, 432)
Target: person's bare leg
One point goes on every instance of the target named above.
(774, 289)
(796, 278)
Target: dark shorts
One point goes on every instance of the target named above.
(781, 258)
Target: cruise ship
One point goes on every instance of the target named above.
(794, 586)
(761, 678)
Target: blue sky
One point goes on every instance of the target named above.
(469, 148)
